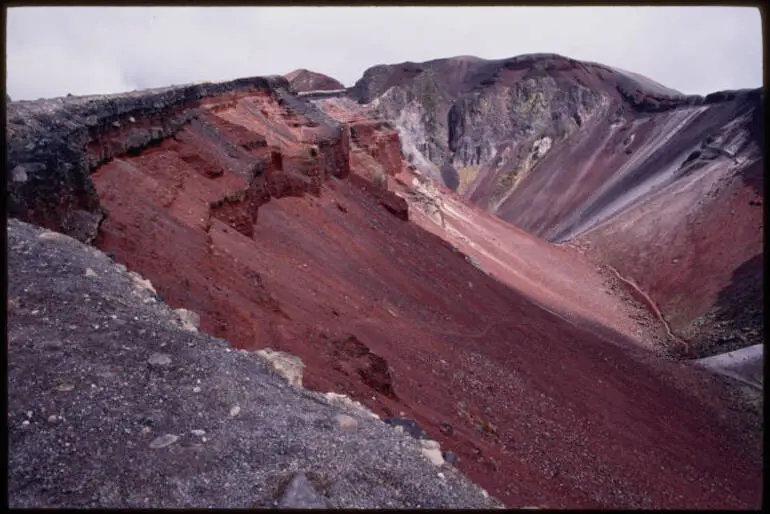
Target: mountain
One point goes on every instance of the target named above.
(643, 178)
(299, 223)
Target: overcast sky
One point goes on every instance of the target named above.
(52, 51)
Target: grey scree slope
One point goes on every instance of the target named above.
(96, 418)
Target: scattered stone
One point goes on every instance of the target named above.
(346, 422)
(164, 440)
(90, 272)
(65, 388)
(191, 321)
(198, 432)
(300, 494)
(146, 430)
(25, 423)
(345, 400)
(450, 457)
(19, 174)
(140, 283)
(196, 389)
(446, 428)
(53, 418)
(29, 414)
(434, 455)
(286, 365)
(410, 426)
(13, 305)
(235, 411)
(159, 359)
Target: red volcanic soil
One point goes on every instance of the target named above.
(693, 262)
(558, 278)
(542, 411)
(305, 80)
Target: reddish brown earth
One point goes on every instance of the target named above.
(558, 278)
(248, 217)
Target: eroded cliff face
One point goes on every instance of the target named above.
(54, 145)
(647, 178)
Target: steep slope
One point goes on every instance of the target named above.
(558, 278)
(607, 159)
(306, 80)
(113, 403)
(246, 212)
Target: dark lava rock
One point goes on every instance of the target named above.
(450, 457)
(410, 427)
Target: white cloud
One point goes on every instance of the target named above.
(52, 51)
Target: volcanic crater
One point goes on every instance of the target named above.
(300, 224)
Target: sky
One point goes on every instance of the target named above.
(53, 51)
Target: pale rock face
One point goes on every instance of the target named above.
(433, 455)
(346, 401)
(288, 366)
(541, 146)
(189, 320)
(141, 284)
(56, 237)
(346, 422)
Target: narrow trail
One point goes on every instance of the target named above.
(652, 306)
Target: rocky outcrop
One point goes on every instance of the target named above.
(375, 146)
(288, 366)
(301, 81)
(465, 113)
(54, 145)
